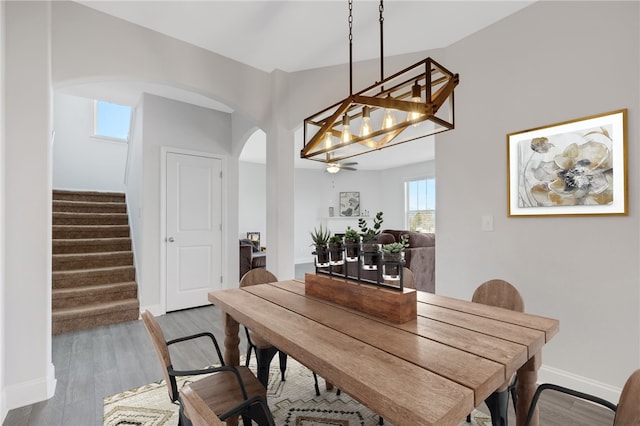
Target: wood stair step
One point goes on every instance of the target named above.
(66, 262)
(90, 231)
(92, 294)
(95, 276)
(94, 315)
(72, 218)
(90, 245)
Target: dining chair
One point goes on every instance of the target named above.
(627, 412)
(501, 294)
(223, 389)
(264, 351)
(200, 413)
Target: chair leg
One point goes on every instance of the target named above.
(380, 420)
(283, 363)
(514, 397)
(264, 357)
(183, 420)
(468, 418)
(315, 379)
(497, 403)
(248, 358)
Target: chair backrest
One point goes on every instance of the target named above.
(257, 276)
(408, 279)
(628, 412)
(499, 293)
(160, 346)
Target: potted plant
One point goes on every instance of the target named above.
(352, 242)
(393, 258)
(320, 238)
(336, 253)
(370, 247)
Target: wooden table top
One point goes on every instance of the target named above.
(430, 371)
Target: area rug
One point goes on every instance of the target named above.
(292, 402)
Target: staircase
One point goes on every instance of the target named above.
(93, 273)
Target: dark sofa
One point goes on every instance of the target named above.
(250, 257)
(420, 256)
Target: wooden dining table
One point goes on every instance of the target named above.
(429, 371)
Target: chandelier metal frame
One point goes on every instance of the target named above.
(423, 91)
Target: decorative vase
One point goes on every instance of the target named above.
(321, 256)
(391, 265)
(336, 254)
(369, 253)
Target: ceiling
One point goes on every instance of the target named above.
(298, 35)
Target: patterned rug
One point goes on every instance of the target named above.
(292, 402)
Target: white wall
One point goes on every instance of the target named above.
(580, 270)
(3, 320)
(29, 372)
(80, 160)
(134, 191)
(252, 205)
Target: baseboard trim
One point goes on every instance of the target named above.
(156, 310)
(580, 383)
(31, 391)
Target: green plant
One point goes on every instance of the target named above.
(396, 247)
(351, 234)
(335, 239)
(320, 236)
(369, 234)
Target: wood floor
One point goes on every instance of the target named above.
(92, 364)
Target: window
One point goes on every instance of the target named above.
(421, 205)
(111, 121)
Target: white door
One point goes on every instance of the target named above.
(193, 225)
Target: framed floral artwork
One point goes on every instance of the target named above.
(576, 167)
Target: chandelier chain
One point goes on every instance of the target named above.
(350, 47)
(381, 19)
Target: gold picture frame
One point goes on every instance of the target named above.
(574, 168)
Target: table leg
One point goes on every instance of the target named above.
(231, 349)
(231, 340)
(526, 387)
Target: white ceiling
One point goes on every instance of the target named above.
(297, 35)
(304, 34)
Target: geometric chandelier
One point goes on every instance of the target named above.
(411, 104)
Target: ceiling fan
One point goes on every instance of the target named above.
(336, 167)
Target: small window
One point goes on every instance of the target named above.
(421, 205)
(112, 121)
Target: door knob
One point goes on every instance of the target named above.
(170, 239)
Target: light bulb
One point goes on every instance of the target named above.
(346, 132)
(333, 168)
(327, 140)
(365, 127)
(389, 119)
(415, 97)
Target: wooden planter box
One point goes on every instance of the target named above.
(392, 305)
